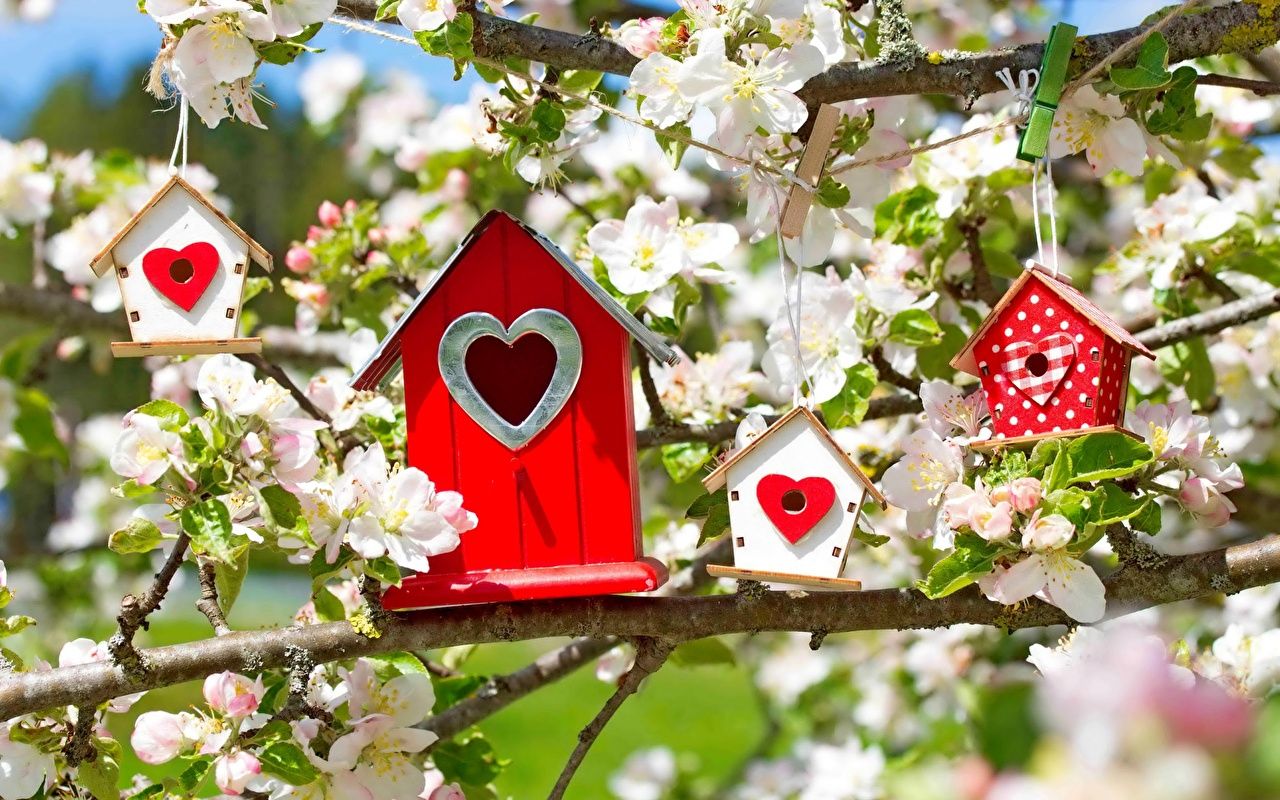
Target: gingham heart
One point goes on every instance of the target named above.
(1037, 368)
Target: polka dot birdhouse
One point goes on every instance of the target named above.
(517, 386)
(795, 500)
(181, 265)
(1051, 362)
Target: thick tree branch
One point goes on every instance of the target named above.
(674, 619)
(1236, 27)
(651, 654)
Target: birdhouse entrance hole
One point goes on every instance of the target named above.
(1037, 364)
(511, 378)
(793, 502)
(181, 270)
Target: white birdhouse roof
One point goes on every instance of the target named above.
(718, 477)
(102, 261)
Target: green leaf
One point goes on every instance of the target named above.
(1149, 71)
(1042, 456)
(209, 526)
(328, 607)
(191, 777)
(391, 665)
(674, 148)
(850, 406)
(468, 761)
(909, 217)
(1073, 503)
(131, 490)
(138, 536)
(34, 424)
(287, 762)
(1106, 456)
(171, 415)
(701, 652)
(6, 596)
(15, 624)
(1117, 505)
(229, 577)
(21, 354)
(453, 690)
(684, 460)
(579, 81)
(1149, 520)
(972, 558)
(101, 777)
(384, 569)
(832, 193)
(548, 120)
(1005, 723)
(914, 327)
(282, 512)
(868, 536)
(1187, 364)
(713, 508)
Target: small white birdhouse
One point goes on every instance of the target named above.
(795, 500)
(181, 265)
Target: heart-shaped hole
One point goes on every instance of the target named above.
(793, 501)
(1037, 364)
(511, 378)
(181, 270)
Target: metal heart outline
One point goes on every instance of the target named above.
(553, 326)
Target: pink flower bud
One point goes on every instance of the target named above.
(349, 207)
(1206, 502)
(314, 234)
(377, 258)
(1024, 494)
(451, 791)
(449, 504)
(377, 236)
(642, 36)
(232, 694)
(299, 259)
(456, 185)
(329, 214)
(157, 737)
(233, 771)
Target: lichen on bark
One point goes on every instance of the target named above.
(895, 37)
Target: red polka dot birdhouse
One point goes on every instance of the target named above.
(1051, 363)
(181, 265)
(795, 501)
(517, 384)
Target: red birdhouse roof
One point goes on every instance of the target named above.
(965, 361)
(386, 362)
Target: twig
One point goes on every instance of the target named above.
(971, 229)
(673, 619)
(651, 654)
(658, 415)
(890, 375)
(1260, 88)
(277, 373)
(134, 611)
(208, 602)
(79, 747)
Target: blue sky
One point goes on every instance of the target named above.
(33, 56)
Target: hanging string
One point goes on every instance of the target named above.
(1023, 90)
(181, 139)
(795, 318)
(1053, 216)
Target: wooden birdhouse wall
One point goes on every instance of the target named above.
(1044, 320)
(796, 451)
(175, 221)
(1113, 384)
(570, 495)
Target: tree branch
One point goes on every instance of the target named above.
(1260, 88)
(208, 602)
(134, 611)
(673, 619)
(1236, 27)
(651, 654)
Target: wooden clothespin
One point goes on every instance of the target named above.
(1034, 141)
(809, 170)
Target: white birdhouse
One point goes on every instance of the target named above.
(795, 500)
(181, 265)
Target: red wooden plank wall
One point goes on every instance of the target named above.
(570, 495)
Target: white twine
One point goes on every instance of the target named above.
(181, 139)
(1047, 163)
(799, 395)
(1023, 90)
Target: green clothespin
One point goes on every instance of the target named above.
(1034, 141)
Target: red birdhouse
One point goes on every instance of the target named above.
(1051, 362)
(517, 383)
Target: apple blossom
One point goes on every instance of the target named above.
(299, 259)
(232, 694)
(450, 791)
(221, 51)
(145, 450)
(24, 770)
(656, 81)
(641, 36)
(232, 772)
(645, 775)
(426, 15)
(950, 411)
(829, 345)
(1023, 494)
(1050, 571)
(1206, 502)
(327, 83)
(158, 736)
(1097, 124)
(377, 750)
(916, 483)
(329, 214)
(290, 17)
(26, 186)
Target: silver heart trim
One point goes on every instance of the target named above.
(553, 326)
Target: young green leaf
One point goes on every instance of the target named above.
(138, 536)
(287, 762)
(1106, 456)
(972, 558)
(1150, 70)
(209, 526)
(914, 327)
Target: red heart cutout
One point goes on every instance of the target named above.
(182, 275)
(794, 507)
(511, 378)
(1037, 368)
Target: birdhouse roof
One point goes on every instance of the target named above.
(965, 361)
(721, 473)
(385, 362)
(101, 262)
